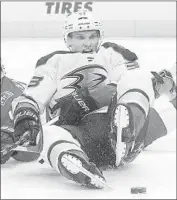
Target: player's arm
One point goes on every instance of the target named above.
(28, 107)
(41, 88)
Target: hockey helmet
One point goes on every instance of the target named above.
(82, 20)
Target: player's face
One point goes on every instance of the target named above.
(83, 41)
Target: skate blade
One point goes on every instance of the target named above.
(76, 167)
(121, 120)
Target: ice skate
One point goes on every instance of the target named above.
(123, 134)
(75, 166)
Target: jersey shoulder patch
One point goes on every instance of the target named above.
(44, 59)
(127, 54)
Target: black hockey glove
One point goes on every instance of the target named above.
(75, 106)
(27, 119)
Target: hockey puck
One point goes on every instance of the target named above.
(137, 190)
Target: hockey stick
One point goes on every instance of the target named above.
(24, 139)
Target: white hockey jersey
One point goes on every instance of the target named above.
(61, 73)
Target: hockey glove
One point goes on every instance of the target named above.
(163, 84)
(75, 106)
(27, 119)
(6, 141)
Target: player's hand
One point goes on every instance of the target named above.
(164, 84)
(75, 106)
(26, 119)
(6, 141)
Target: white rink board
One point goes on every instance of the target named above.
(154, 169)
(131, 19)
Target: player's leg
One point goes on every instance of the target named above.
(65, 155)
(94, 138)
(161, 123)
(129, 111)
(127, 126)
(155, 128)
(95, 141)
(96, 125)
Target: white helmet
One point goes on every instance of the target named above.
(82, 20)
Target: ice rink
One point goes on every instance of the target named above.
(154, 169)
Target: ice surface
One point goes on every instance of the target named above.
(154, 169)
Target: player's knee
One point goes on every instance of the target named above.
(134, 81)
(55, 133)
(136, 97)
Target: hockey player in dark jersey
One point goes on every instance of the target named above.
(10, 89)
(97, 92)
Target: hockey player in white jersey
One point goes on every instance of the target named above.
(102, 99)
